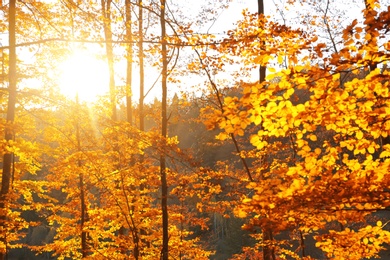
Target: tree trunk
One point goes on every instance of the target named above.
(268, 252)
(83, 210)
(129, 109)
(260, 11)
(83, 219)
(129, 72)
(302, 244)
(8, 157)
(164, 185)
(369, 15)
(106, 12)
(141, 66)
(129, 105)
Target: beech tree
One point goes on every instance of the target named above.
(324, 162)
(8, 131)
(107, 27)
(164, 124)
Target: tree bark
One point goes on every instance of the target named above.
(268, 252)
(262, 69)
(141, 67)
(106, 12)
(164, 122)
(83, 209)
(8, 156)
(369, 15)
(129, 71)
(129, 105)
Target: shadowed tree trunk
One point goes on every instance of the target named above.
(260, 11)
(163, 173)
(8, 156)
(141, 66)
(268, 252)
(369, 17)
(129, 106)
(83, 208)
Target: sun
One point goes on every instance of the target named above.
(83, 74)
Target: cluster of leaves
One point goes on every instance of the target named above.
(114, 166)
(315, 135)
(93, 182)
(320, 132)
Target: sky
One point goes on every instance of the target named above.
(224, 20)
(94, 76)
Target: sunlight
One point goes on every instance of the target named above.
(83, 74)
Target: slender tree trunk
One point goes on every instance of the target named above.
(129, 106)
(164, 122)
(142, 232)
(83, 211)
(129, 37)
(260, 11)
(8, 157)
(369, 15)
(84, 245)
(106, 12)
(262, 69)
(141, 66)
(129, 72)
(302, 244)
(268, 252)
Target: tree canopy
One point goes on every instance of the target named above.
(268, 141)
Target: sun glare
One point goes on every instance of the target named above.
(83, 74)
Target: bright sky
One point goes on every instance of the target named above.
(85, 75)
(224, 21)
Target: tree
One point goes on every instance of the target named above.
(164, 124)
(141, 65)
(106, 14)
(320, 135)
(9, 135)
(129, 72)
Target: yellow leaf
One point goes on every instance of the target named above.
(246, 200)
(371, 149)
(257, 119)
(280, 59)
(235, 120)
(379, 223)
(301, 80)
(384, 154)
(242, 214)
(300, 107)
(288, 93)
(270, 76)
(359, 135)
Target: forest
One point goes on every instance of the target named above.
(261, 138)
